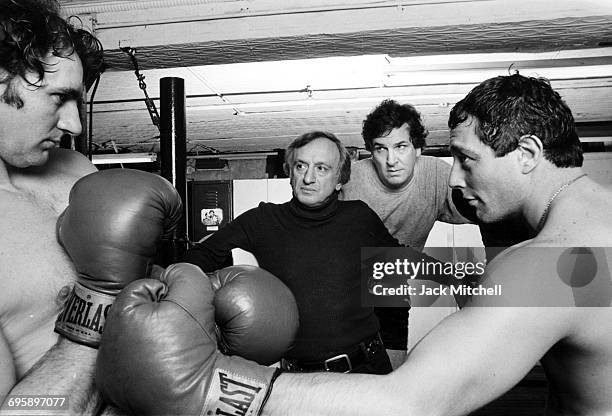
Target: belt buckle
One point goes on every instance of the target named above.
(338, 358)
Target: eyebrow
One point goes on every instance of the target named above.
(73, 93)
(464, 150)
(315, 164)
(403, 142)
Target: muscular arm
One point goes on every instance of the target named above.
(482, 364)
(67, 370)
(469, 359)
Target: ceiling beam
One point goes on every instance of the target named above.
(189, 33)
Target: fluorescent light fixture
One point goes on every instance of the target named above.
(603, 139)
(474, 68)
(235, 156)
(577, 57)
(123, 158)
(466, 76)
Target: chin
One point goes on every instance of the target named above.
(31, 162)
(307, 200)
(396, 182)
(488, 217)
(39, 161)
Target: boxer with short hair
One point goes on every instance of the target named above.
(515, 149)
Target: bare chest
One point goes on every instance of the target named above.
(33, 270)
(34, 265)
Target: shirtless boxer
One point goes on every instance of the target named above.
(515, 150)
(43, 65)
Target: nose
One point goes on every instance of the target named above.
(457, 176)
(69, 120)
(391, 157)
(309, 176)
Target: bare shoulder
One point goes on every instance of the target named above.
(581, 217)
(539, 275)
(594, 200)
(69, 162)
(51, 183)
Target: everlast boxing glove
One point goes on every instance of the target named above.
(249, 322)
(159, 353)
(110, 230)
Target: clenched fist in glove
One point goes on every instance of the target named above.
(110, 230)
(159, 352)
(250, 322)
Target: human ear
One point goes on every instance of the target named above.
(287, 169)
(531, 152)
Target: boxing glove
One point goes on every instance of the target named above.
(248, 324)
(110, 229)
(158, 353)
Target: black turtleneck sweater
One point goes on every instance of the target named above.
(316, 253)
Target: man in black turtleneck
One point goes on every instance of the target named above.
(312, 243)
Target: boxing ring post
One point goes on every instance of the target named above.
(173, 157)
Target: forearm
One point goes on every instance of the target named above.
(66, 370)
(334, 394)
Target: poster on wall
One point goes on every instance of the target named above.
(211, 218)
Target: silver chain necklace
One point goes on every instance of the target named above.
(552, 198)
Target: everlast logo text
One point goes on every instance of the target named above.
(85, 312)
(235, 396)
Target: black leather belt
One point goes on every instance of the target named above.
(343, 362)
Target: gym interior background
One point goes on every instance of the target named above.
(251, 75)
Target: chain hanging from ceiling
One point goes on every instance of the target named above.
(131, 52)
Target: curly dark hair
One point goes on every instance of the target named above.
(389, 115)
(29, 31)
(508, 107)
(344, 164)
